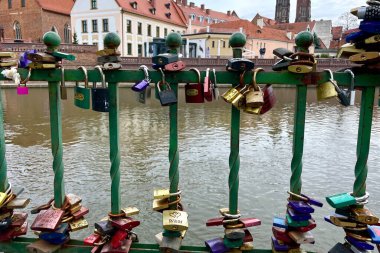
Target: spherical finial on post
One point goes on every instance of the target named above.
(173, 41)
(112, 40)
(51, 40)
(238, 40)
(304, 40)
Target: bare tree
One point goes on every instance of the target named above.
(348, 21)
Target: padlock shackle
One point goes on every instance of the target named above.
(146, 72)
(102, 76)
(254, 79)
(352, 86)
(162, 75)
(84, 70)
(214, 73)
(197, 72)
(62, 76)
(27, 77)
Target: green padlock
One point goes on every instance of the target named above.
(341, 200)
(82, 94)
(232, 243)
(296, 224)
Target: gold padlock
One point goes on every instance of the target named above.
(129, 211)
(342, 223)
(327, 90)
(300, 69)
(160, 204)
(3, 197)
(365, 216)
(232, 93)
(373, 39)
(347, 50)
(78, 224)
(364, 58)
(175, 220)
(255, 97)
(251, 110)
(247, 246)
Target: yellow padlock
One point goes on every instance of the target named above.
(3, 197)
(366, 57)
(255, 97)
(78, 224)
(300, 69)
(365, 216)
(129, 211)
(232, 93)
(347, 50)
(327, 90)
(175, 220)
(250, 110)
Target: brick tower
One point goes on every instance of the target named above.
(303, 11)
(282, 11)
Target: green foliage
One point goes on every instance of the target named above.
(317, 43)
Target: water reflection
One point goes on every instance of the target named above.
(266, 152)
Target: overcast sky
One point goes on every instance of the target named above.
(320, 9)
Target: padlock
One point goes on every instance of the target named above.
(250, 222)
(48, 220)
(281, 234)
(5, 215)
(281, 65)
(282, 53)
(240, 64)
(300, 206)
(175, 220)
(356, 250)
(279, 222)
(312, 201)
(78, 224)
(311, 226)
(340, 248)
(255, 97)
(18, 219)
(63, 90)
(214, 222)
(73, 199)
(124, 247)
(374, 232)
(232, 243)
(248, 236)
(5, 224)
(169, 233)
(367, 12)
(269, 99)
(234, 234)
(108, 59)
(108, 51)
(111, 66)
(295, 224)
(18, 203)
(100, 96)
(232, 93)
(365, 216)
(370, 26)
(359, 235)
(175, 66)
(142, 85)
(59, 236)
(302, 238)
(104, 227)
(118, 237)
(214, 86)
(126, 223)
(21, 230)
(166, 96)
(341, 200)
(164, 59)
(91, 239)
(207, 89)
(7, 55)
(373, 39)
(41, 246)
(348, 50)
(365, 58)
(359, 244)
(247, 246)
(22, 90)
(299, 67)
(41, 57)
(279, 245)
(160, 204)
(79, 214)
(129, 211)
(251, 110)
(239, 101)
(8, 63)
(38, 65)
(216, 246)
(194, 92)
(298, 216)
(351, 90)
(339, 222)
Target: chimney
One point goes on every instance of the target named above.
(228, 13)
(184, 2)
(208, 11)
(202, 6)
(192, 4)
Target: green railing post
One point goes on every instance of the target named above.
(364, 140)
(3, 161)
(237, 42)
(56, 142)
(114, 147)
(173, 41)
(298, 139)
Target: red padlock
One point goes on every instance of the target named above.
(207, 91)
(194, 92)
(117, 238)
(281, 234)
(175, 66)
(90, 240)
(269, 99)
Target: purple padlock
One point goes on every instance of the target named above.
(22, 90)
(142, 85)
(301, 207)
(216, 245)
(298, 216)
(313, 202)
(24, 62)
(279, 246)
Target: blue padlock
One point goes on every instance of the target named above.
(372, 27)
(300, 207)
(142, 85)
(279, 246)
(5, 224)
(313, 202)
(298, 216)
(357, 36)
(59, 236)
(361, 245)
(216, 245)
(23, 61)
(100, 96)
(279, 222)
(374, 232)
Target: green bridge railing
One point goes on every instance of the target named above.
(366, 81)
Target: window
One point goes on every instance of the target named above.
(17, 28)
(200, 18)
(95, 43)
(94, 26)
(23, 3)
(224, 44)
(149, 28)
(192, 16)
(158, 32)
(93, 4)
(129, 26)
(213, 44)
(129, 48)
(139, 28)
(165, 32)
(84, 26)
(139, 48)
(66, 33)
(208, 20)
(134, 5)
(105, 25)
(9, 4)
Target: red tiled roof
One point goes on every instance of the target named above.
(144, 6)
(337, 32)
(198, 11)
(253, 31)
(295, 27)
(267, 21)
(58, 6)
(334, 44)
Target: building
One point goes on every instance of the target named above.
(198, 18)
(303, 13)
(213, 41)
(263, 21)
(27, 21)
(137, 22)
(282, 11)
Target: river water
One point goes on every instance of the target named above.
(204, 132)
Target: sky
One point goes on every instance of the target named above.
(320, 9)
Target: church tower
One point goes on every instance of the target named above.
(282, 11)
(303, 11)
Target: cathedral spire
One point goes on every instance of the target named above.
(282, 11)
(303, 11)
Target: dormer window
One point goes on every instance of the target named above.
(215, 21)
(208, 20)
(192, 16)
(167, 6)
(201, 18)
(168, 15)
(134, 5)
(153, 11)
